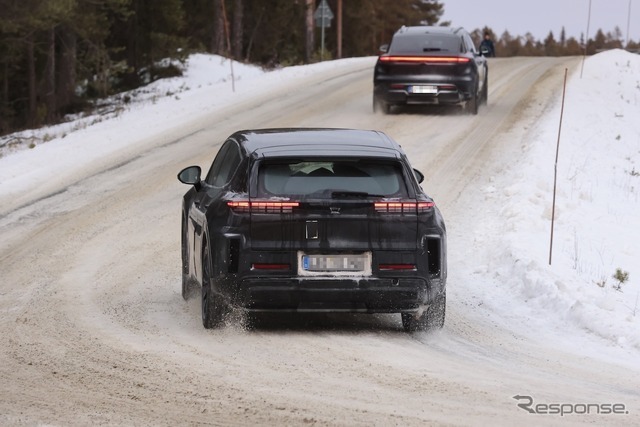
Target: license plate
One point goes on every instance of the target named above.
(335, 264)
(423, 89)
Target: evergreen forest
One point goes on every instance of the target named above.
(58, 56)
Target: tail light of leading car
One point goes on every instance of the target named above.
(403, 207)
(260, 206)
(427, 59)
(441, 87)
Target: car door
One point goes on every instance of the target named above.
(480, 61)
(209, 209)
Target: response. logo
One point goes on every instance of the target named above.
(526, 403)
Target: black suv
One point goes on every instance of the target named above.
(313, 220)
(430, 65)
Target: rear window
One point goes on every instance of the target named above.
(323, 178)
(422, 43)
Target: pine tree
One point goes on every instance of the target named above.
(550, 45)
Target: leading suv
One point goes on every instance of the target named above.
(430, 65)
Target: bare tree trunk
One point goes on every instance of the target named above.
(218, 43)
(5, 85)
(67, 67)
(309, 31)
(49, 77)
(238, 11)
(32, 119)
(5, 122)
(253, 34)
(132, 51)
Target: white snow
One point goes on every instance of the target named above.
(597, 216)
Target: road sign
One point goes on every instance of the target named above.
(323, 15)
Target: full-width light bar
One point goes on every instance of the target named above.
(427, 59)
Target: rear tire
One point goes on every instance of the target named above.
(471, 106)
(431, 319)
(382, 106)
(213, 308)
(485, 91)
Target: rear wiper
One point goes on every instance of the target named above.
(358, 194)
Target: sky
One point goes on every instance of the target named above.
(597, 226)
(541, 16)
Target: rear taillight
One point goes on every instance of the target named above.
(427, 59)
(259, 206)
(396, 267)
(403, 207)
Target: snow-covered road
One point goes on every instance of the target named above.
(94, 330)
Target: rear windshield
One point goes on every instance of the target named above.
(422, 43)
(330, 179)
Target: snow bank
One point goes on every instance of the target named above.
(597, 216)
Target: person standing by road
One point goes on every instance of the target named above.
(487, 48)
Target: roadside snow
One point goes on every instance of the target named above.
(597, 216)
(597, 226)
(32, 157)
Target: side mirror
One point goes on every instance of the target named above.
(384, 48)
(484, 51)
(419, 175)
(191, 176)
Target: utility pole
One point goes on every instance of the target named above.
(628, 24)
(586, 43)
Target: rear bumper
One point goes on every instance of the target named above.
(370, 295)
(402, 96)
(399, 93)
